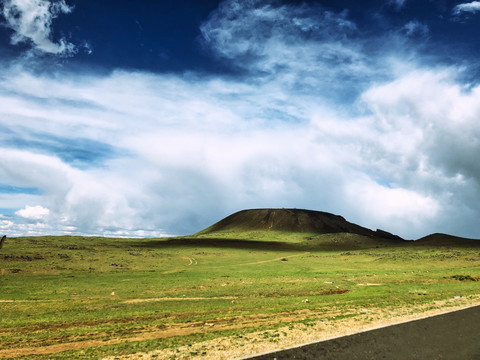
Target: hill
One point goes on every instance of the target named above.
(292, 220)
(439, 239)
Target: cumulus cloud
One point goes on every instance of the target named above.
(73, 200)
(33, 212)
(6, 225)
(471, 7)
(438, 115)
(429, 126)
(31, 21)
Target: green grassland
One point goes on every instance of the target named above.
(119, 296)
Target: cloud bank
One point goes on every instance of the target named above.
(316, 118)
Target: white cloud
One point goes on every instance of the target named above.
(471, 7)
(71, 197)
(415, 27)
(187, 149)
(393, 208)
(33, 212)
(193, 157)
(427, 128)
(293, 43)
(398, 4)
(6, 224)
(435, 114)
(32, 20)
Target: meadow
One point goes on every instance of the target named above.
(87, 298)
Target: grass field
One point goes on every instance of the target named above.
(83, 297)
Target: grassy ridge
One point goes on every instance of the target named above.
(63, 290)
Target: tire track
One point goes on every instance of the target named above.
(276, 259)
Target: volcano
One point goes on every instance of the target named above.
(292, 220)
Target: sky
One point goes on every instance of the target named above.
(154, 118)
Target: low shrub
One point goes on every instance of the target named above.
(463, 278)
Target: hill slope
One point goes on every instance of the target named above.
(439, 239)
(291, 220)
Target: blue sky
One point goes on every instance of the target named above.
(149, 118)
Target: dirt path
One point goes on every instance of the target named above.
(30, 301)
(276, 259)
(53, 349)
(191, 260)
(135, 301)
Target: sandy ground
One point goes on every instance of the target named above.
(322, 327)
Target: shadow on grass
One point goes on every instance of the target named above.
(225, 243)
(257, 245)
(307, 244)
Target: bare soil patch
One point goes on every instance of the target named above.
(369, 284)
(135, 301)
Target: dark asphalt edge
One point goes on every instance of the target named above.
(291, 347)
